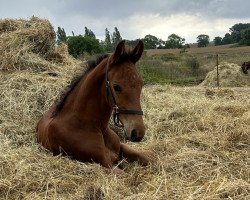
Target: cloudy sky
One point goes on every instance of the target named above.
(135, 18)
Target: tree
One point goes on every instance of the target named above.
(132, 43)
(245, 37)
(89, 33)
(217, 41)
(161, 44)
(116, 37)
(107, 42)
(203, 40)
(150, 42)
(227, 39)
(236, 31)
(79, 45)
(61, 35)
(174, 41)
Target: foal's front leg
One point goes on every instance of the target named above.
(143, 158)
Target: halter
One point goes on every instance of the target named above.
(116, 109)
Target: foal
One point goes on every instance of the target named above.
(78, 126)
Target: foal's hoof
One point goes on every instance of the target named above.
(146, 157)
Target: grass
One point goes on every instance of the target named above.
(175, 70)
(162, 75)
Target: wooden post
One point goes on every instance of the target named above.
(218, 77)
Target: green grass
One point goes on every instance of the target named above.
(182, 71)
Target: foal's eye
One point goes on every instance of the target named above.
(117, 88)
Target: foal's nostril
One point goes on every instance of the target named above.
(135, 137)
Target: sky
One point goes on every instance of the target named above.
(135, 18)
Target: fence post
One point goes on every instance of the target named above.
(218, 77)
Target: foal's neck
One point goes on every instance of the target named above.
(90, 103)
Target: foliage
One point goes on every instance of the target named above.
(107, 42)
(161, 44)
(89, 33)
(218, 41)
(245, 37)
(174, 41)
(79, 45)
(227, 39)
(116, 37)
(236, 31)
(203, 40)
(61, 35)
(150, 42)
(132, 43)
(238, 34)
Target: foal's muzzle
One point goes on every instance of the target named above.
(135, 137)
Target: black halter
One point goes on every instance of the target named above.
(116, 109)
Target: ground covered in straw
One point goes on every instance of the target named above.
(201, 140)
(200, 137)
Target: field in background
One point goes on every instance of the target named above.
(189, 67)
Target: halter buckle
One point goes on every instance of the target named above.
(116, 109)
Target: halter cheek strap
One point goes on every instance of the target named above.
(116, 109)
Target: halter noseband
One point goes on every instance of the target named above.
(116, 109)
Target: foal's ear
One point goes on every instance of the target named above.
(137, 52)
(119, 51)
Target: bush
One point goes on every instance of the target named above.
(193, 64)
(79, 45)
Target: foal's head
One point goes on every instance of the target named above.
(126, 85)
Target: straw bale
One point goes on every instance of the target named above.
(30, 44)
(230, 75)
(60, 55)
(9, 25)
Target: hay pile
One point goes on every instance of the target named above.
(33, 71)
(30, 44)
(201, 140)
(230, 75)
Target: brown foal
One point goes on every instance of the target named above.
(78, 126)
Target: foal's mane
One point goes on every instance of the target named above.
(91, 64)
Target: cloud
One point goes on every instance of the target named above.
(135, 18)
(185, 25)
